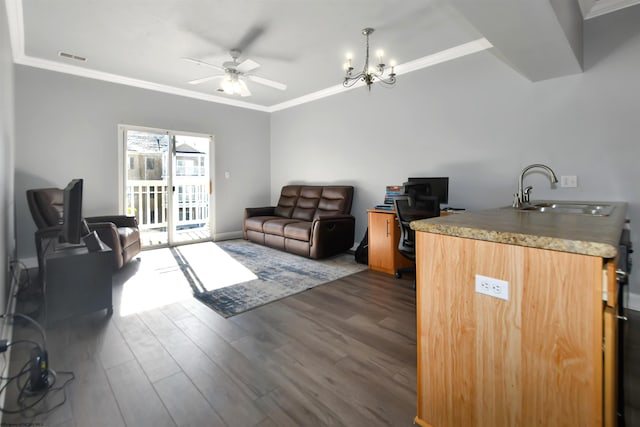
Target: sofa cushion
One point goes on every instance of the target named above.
(288, 199)
(307, 203)
(334, 201)
(276, 226)
(298, 231)
(255, 223)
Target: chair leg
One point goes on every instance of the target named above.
(399, 271)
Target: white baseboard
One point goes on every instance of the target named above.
(633, 301)
(227, 236)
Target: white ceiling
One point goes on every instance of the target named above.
(301, 43)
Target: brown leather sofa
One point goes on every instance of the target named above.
(312, 221)
(119, 232)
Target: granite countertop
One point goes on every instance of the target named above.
(575, 233)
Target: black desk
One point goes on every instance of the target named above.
(76, 281)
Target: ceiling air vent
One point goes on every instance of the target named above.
(72, 56)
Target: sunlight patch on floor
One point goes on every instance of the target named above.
(160, 279)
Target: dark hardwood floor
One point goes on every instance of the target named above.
(341, 354)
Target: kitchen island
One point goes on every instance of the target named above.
(516, 318)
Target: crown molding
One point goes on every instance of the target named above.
(16, 28)
(593, 8)
(418, 64)
(16, 34)
(115, 78)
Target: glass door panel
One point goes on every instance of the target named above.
(191, 183)
(147, 180)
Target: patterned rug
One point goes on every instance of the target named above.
(234, 276)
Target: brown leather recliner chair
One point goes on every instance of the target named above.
(119, 232)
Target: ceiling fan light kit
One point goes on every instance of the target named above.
(232, 85)
(369, 74)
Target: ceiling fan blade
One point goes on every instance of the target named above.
(244, 90)
(247, 65)
(206, 64)
(267, 82)
(205, 79)
(250, 37)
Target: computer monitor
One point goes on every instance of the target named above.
(72, 225)
(438, 187)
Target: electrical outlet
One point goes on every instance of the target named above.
(569, 181)
(492, 287)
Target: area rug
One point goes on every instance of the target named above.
(266, 274)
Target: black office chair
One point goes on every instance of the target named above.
(409, 208)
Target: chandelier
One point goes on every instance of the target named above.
(369, 74)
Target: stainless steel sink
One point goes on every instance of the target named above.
(580, 208)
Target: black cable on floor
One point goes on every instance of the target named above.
(29, 396)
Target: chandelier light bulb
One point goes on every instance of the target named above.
(349, 57)
(380, 54)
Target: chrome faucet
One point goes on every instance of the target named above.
(521, 198)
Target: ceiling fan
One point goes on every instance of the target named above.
(234, 74)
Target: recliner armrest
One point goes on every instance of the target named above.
(331, 234)
(262, 211)
(117, 220)
(108, 233)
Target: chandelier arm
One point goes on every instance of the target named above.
(352, 81)
(388, 82)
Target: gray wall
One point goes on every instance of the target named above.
(66, 127)
(7, 148)
(479, 122)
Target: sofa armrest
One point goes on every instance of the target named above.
(263, 211)
(332, 234)
(118, 220)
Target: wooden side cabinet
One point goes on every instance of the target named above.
(384, 235)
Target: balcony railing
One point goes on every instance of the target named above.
(148, 201)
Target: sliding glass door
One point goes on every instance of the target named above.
(167, 185)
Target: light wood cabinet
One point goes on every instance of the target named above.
(384, 235)
(545, 356)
